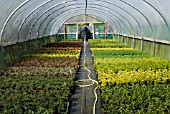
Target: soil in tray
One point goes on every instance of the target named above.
(48, 62)
(64, 44)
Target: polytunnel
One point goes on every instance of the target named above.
(28, 28)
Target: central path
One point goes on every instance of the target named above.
(86, 100)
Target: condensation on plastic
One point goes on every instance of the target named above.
(38, 18)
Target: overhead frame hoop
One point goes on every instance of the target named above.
(66, 15)
(10, 16)
(25, 2)
(109, 20)
(140, 13)
(102, 11)
(118, 14)
(109, 13)
(158, 13)
(57, 15)
(46, 3)
(27, 16)
(62, 20)
(124, 11)
(41, 16)
(46, 12)
(69, 15)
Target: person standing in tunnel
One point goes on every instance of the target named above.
(88, 34)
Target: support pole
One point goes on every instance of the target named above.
(2, 55)
(77, 32)
(93, 31)
(119, 37)
(127, 39)
(113, 36)
(141, 47)
(30, 46)
(19, 50)
(38, 42)
(122, 39)
(64, 31)
(153, 47)
(105, 30)
(134, 41)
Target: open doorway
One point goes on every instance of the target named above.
(85, 33)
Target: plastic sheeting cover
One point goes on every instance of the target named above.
(22, 20)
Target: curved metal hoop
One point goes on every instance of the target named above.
(96, 11)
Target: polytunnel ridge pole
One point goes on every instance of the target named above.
(86, 8)
(85, 12)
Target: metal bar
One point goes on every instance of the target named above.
(116, 13)
(111, 13)
(27, 16)
(146, 20)
(166, 23)
(30, 46)
(119, 37)
(140, 13)
(114, 23)
(52, 13)
(50, 20)
(153, 48)
(77, 31)
(158, 13)
(78, 10)
(10, 16)
(86, 8)
(134, 41)
(93, 31)
(4, 26)
(142, 44)
(58, 19)
(105, 30)
(30, 32)
(124, 11)
(2, 55)
(64, 31)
